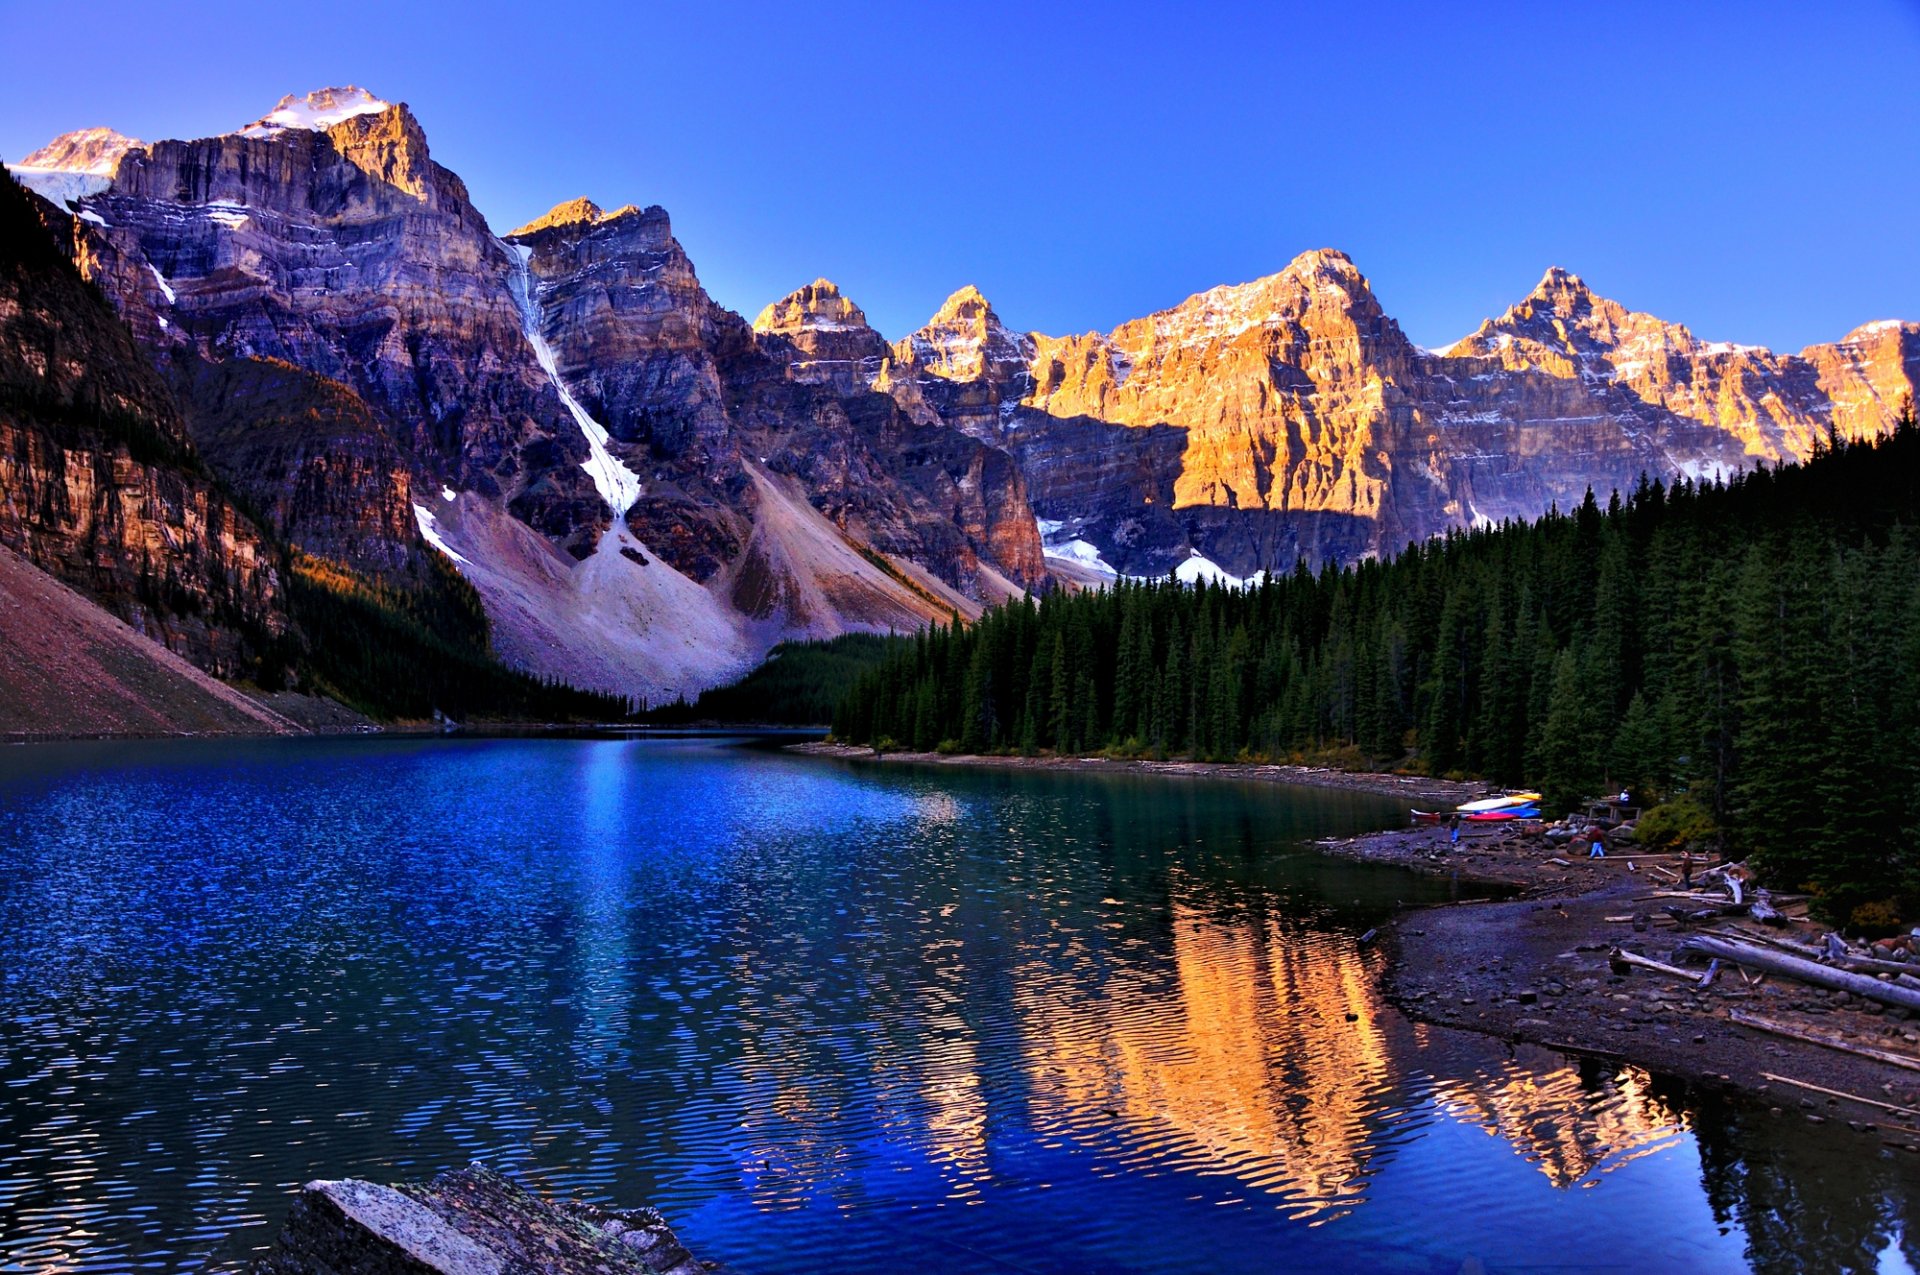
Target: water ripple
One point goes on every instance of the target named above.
(827, 1019)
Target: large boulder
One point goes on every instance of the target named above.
(471, 1221)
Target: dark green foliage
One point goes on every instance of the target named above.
(1755, 643)
(394, 651)
(798, 685)
(1680, 823)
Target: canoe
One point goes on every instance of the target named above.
(1499, 803)
(1501, 816)
(1428, 816)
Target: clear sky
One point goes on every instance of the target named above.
(1751, 170)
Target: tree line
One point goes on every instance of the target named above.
(410, 650)
(1753, 644)
(799, 684)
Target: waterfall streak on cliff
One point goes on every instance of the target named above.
(618, 485)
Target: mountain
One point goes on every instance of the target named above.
(100, 484)
(1290, 417)
(647, 493)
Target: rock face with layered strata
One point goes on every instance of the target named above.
(667, 492)
(1291, 417)
(694, 397)
(833, 344)
(649, 491)
(100, 485)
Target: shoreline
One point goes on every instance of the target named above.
(1411, 787)
(1534, 967)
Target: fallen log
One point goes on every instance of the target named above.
(1839, 1093)
(1791, 1032)
(1846, 959)
(1618, 958)
(1805, 971)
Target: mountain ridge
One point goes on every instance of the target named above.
(572, 380)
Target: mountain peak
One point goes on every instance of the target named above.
(818, 307)
(965, 340)
(1880, 329)
(317, 112)
(572, 212)
(1559, 282)
(85, 150)
(966, 303)
(1323, 261)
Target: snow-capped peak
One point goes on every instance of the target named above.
(317, 111)
(88, 150)
(73, 165)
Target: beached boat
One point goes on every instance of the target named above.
(1502, 816)
(1510, 800)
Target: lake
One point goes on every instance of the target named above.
(826, 1017)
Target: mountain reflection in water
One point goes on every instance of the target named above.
(826, 1017)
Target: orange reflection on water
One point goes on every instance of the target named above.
(1263, 1059)
(1559, 1122)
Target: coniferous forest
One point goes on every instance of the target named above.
(798, 684)
(1752, 645)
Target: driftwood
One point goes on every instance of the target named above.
(1727, 877)
(1791, 1032)
(1621, 961)
(1805, 971)
(1840, 1093)
(1837, 952)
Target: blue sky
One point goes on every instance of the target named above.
(1752, 170)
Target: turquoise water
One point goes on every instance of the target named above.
(827, 1017)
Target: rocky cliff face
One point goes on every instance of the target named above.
(693, 397)
(379, 372)
(832, 343)
(338, 246)
(1291, 417)
(649, 491)
(308, 455)
(100, 485)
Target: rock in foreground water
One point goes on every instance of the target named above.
(471, 1221)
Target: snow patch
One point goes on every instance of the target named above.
(1082, 553)
(88, 214)
(59, 186)
(228, 213)
(316, 112)
(617, 485)
(1198, 568)
(166, 288)
(430, 532)
(447, 494)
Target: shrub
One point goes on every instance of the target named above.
(1680, 822)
